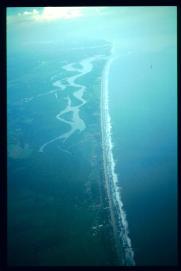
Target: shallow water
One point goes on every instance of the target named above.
(76, 123)
(57, 203)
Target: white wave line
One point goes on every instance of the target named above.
(121, 231)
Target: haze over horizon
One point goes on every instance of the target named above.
(92, 136)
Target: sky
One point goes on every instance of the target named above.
(131, 27)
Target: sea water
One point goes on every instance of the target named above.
(143, 109)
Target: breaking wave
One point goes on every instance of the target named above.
(118, 215)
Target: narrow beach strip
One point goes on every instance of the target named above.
(117, 213)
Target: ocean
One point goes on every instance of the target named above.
(143, 109)
(92, 136)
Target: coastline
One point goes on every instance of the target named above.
(118, 217)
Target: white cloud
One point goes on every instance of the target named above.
(53, 13)
(48, 14)
(32, 13)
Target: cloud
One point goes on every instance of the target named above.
(48, 14)
(52, 13)
(34, 12)
(24, 17)
(28, 14)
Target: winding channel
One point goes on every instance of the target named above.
(76, 123)
(118, 216)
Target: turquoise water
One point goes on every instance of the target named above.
(143, 103)
(58, 206)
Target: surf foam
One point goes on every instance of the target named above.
(118, 215)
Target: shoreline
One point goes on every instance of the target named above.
(118, 217)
